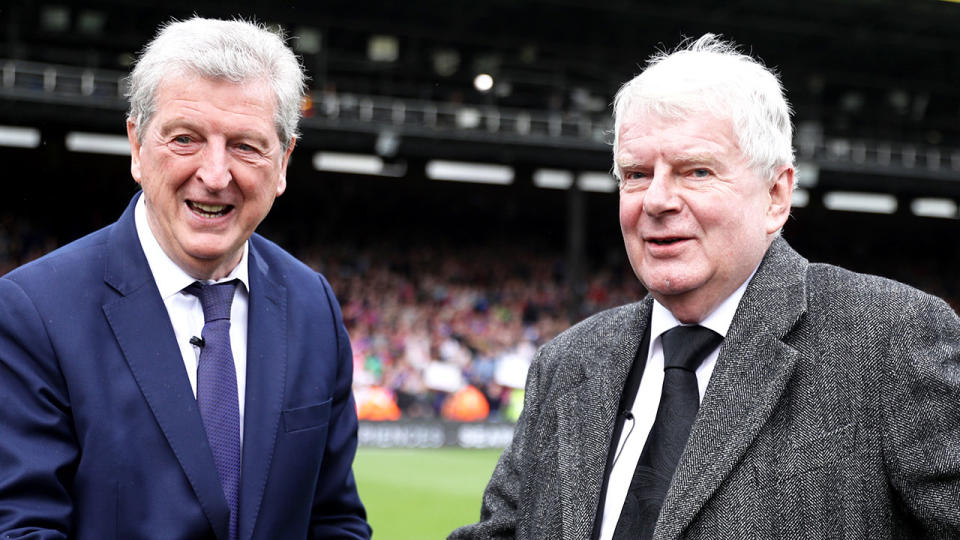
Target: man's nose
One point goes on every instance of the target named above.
(214, 171)
(661, 195)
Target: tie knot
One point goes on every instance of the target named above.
(685, 347)
(215, 298)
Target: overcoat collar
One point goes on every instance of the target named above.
(587, 413)
(752, 372)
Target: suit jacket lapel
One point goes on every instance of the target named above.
(266, 374)
(143, 331)
(751, 373)
(586, 416)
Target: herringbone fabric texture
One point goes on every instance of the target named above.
(217, 395)
(832, 414)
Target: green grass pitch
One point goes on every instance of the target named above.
(422, 494)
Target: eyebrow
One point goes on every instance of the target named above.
(627, 163)
(682, 158)
(688, 158)
(175, 124)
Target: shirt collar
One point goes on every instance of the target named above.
(170, 278)
(719, 320)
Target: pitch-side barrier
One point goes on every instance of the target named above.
(435, 434)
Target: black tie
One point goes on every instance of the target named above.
(684, 348)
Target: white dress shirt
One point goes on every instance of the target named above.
(185, 310)
(635, 431)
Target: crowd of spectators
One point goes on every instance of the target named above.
(428, 320)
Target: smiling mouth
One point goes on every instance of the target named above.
(665, 241)
(209, 210)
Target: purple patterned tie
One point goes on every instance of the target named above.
(217, 389)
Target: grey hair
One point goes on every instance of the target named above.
(711, 76)
(235, 51)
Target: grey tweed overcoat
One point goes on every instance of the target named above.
(833, 412)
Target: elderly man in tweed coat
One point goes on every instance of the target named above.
(831, 407)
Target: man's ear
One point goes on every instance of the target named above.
(134, 150)
(282, 183)
(781, 195)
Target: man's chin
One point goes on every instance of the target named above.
(209, 262)
(670, 284)
(671, 296)
(673, 290)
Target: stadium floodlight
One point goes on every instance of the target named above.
(356, 164)
(552, 179)
(483, 82)
(19, 137)
(934, 207)
(98, 143)
(854, 201)
(600, 182)
(463, 171)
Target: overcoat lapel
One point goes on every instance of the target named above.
(143, 331)
(586, 416)
(266, 375)
(751, 374)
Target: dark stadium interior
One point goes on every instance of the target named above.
(875, 85)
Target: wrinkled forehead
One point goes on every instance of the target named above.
(706, 124)
(251, 97)
(185, 77)
(695, 138)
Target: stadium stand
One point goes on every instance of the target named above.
(445, 284)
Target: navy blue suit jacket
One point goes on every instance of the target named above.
(100, 435)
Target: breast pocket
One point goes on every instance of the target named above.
(309, 417)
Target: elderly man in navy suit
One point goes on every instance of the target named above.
(175, 375)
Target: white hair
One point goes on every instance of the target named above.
(235, 51)
(711, 76)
